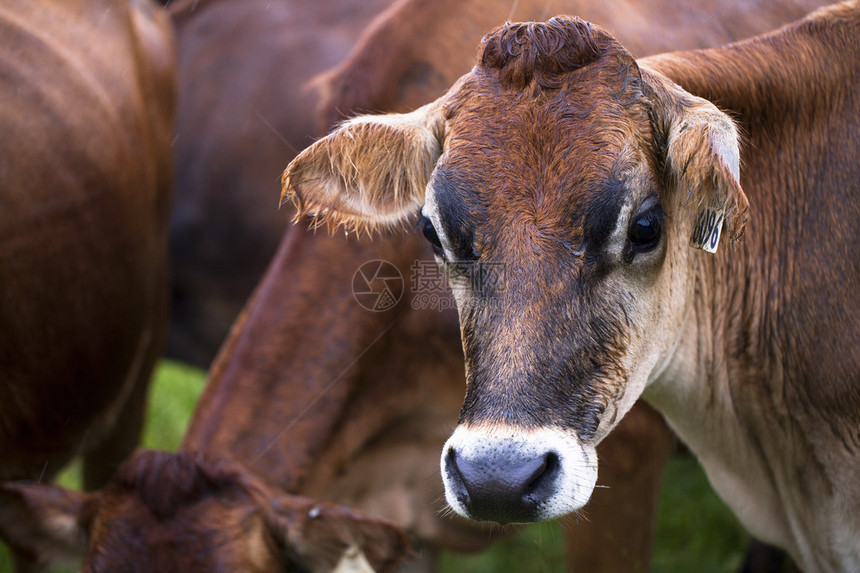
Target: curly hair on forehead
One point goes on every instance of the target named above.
(545, 51)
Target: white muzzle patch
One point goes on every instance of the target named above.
(508, 474)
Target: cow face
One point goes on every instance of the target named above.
(188, 512)
(561, 194)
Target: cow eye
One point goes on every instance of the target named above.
(429, 232)
(646, 229)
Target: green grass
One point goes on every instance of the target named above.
(695, 530)
(171, 401)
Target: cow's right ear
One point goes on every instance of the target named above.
(369, 173)
(702, 152)
(43, 524)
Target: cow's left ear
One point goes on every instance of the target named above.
(44, 524)
(326, 537)
(702, 152)
(369, 173)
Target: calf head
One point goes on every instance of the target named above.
(559, 185)
(188, 512)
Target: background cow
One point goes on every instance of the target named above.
(87, 100)
(244, 110)
(603, 297)
(411, 55)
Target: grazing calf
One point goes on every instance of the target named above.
(87, 93)
(587, 177)
(192, 512)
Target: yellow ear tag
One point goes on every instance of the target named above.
(709, 226)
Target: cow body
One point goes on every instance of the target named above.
(87, 101)
(85, 183)
(583, 174)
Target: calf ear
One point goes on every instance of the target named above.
(370, 172)
(44, 524)
(703, 163)
(328, 537)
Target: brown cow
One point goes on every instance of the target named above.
(193, 512)
(244, 111)
(334, 442)
(87, 100)
(240, 117)
(389, 71)
(587, 177)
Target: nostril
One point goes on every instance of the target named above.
(536, 476)
(543, 476)
(455, 478)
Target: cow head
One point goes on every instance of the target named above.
(188, 512)
(559, 185)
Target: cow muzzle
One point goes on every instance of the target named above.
(513, 475)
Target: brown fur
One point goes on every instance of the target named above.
(542, 52)
(786, 355)
(795, 94)
(91, 296)
(85, 185)
(190, 511)
(363, 187)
